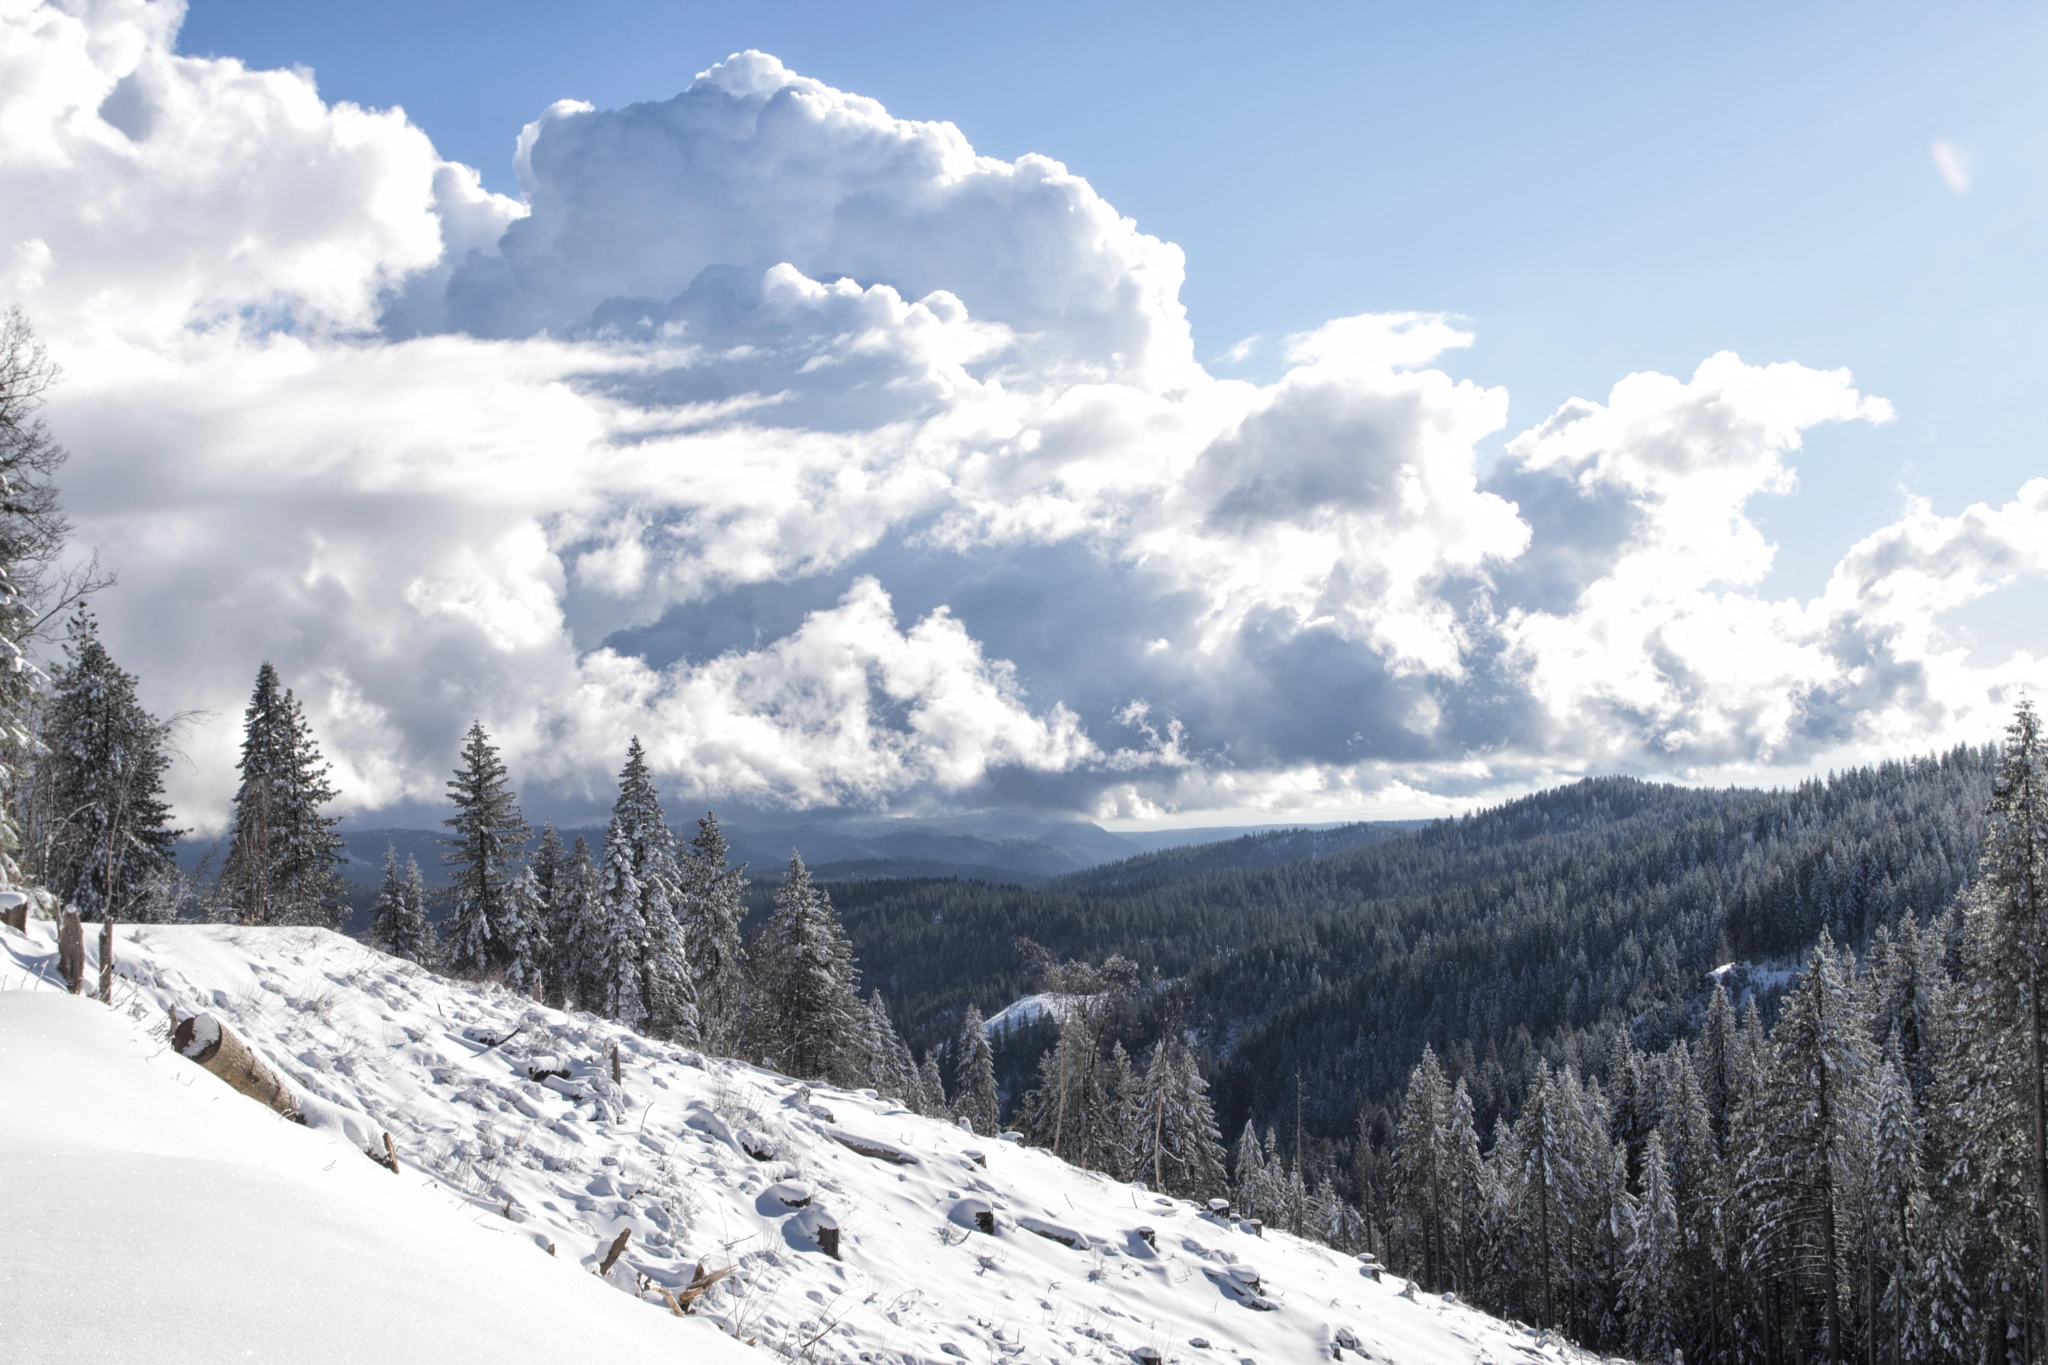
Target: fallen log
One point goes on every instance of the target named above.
(207, 1041)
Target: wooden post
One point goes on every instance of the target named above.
(107, 960)
(71, 952)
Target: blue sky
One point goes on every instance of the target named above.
(1374, 411)
(1599, 188)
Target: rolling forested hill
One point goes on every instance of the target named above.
(1538, 926)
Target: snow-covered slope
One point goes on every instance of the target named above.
(511, 1108)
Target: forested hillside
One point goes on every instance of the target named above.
(1532, 928)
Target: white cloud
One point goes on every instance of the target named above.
(1952, 165)
(751, 377)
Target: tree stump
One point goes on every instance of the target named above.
(207, 1041)
(14, 910)
(71, 952)
(107, 961)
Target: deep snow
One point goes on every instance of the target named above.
(708, 1162)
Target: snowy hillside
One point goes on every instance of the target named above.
(511, 1108)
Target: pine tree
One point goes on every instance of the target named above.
(579, 911)
(974, 1076)
(640, 967)
(281, 859)
(1650, 1282)
(931, 1088)
(2004, 1110)
(1183, 1151)
(113, 842)
(1795, 1175)
(890, 1069)
(490, 922)
(398, 921)
(1423, 1164)
(710, 909)
(557, 906)
(1248, 1173)
(619, 934)
(1121, 1157)
(809, 990)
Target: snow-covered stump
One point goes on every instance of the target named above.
(210, 1043)
(71, 952)
(14, 910)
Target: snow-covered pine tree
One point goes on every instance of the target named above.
(579, 912)
(666, 988)
(489, 920)
(619, 935)
(1795, 1175)
(1423, 1170)
(1120, 1156)
(2003, 1088)
(931, 1088)
(282, 853)
(550, 868)
(1248, 1173)
(809, 979)
(113, 842)
(1183, 1151)
(1650, 1287)
(890, 1069)
(1548, 1190)
(709, 909)
(398, 921)
(974, 1076)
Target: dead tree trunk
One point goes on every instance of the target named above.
(71, 952)
(207, 1041)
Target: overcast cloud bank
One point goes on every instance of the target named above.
(846, 466)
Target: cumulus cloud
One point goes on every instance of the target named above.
(847, 466)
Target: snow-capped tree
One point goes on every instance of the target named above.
(1650, 1285)
(2003, 1088)
(1796, 1174)
(931, 1089)
(808, 981)
(490, 920)
(398, 921)
(282, 854)
(111, 843)
(636, 964)
(578, 911)
(890, 1069)
(974, 1076)
(1182, 1149)
(709, 909)
(550, 870)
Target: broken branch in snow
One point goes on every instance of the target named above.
(611, 1258)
